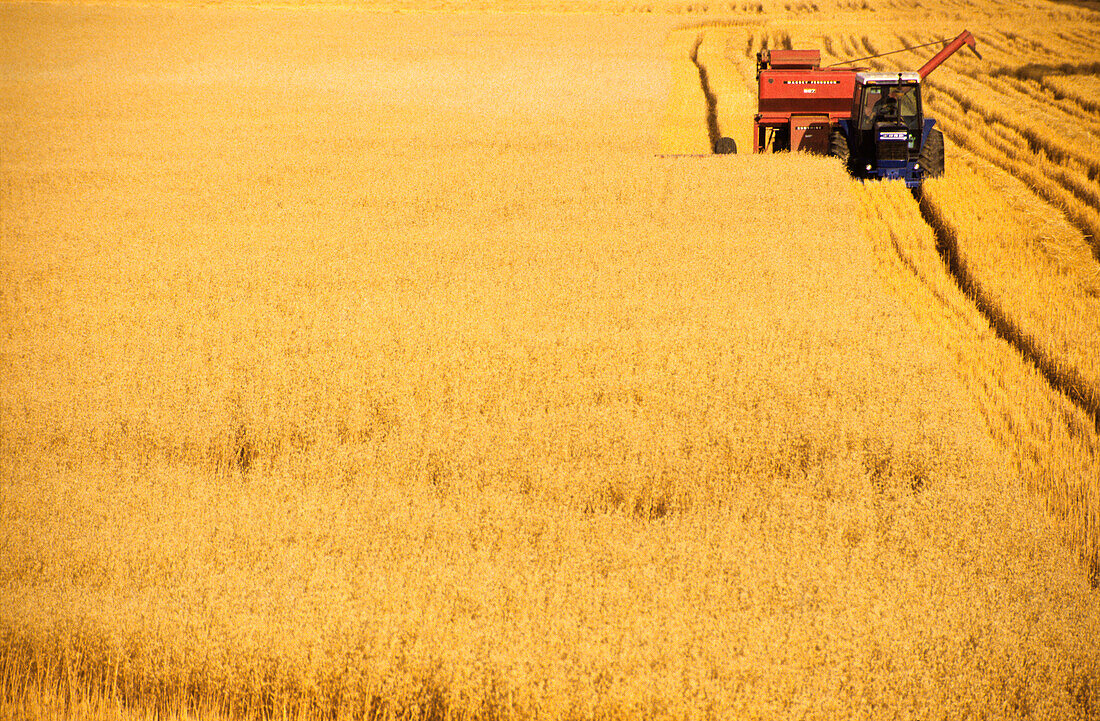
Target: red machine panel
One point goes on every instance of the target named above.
(810, 133)
(807, 91)
(789, 59)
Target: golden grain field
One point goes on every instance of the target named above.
(417, 361)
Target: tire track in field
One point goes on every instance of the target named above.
(1053, 442)
(1064, 380)
(713, 132)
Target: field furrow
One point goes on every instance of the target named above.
(1059, 135)
(1063, 187)
(1055, 444)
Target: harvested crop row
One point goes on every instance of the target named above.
(1054, 444)
(1079, 37)
(1082, 89)
(1061, 185)
(762, 38)
(1061, 136)
(1019, 260)
(1074, 114)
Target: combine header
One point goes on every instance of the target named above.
(873, 121)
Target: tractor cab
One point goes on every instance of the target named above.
(889, 102)
(886, 129)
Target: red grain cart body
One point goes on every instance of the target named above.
(799, 101)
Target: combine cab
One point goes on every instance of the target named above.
(873, 121)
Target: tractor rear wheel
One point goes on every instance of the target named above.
(931, 154)
(838, 145)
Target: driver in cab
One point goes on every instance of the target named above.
(885, 107)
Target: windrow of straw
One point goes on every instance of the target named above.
(1054, 443)
(1018, 260)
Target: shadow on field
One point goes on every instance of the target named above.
(1038, 71)
(717, 142)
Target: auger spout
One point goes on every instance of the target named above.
(964, 38)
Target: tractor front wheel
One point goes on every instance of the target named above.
(931, 154)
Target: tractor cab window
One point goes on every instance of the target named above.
(897, 103)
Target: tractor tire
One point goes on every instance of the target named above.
(725, 146)
(931, 154)
(838, 146)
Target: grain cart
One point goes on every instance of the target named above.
(873, 121)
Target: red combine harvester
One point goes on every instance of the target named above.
(872, 120)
